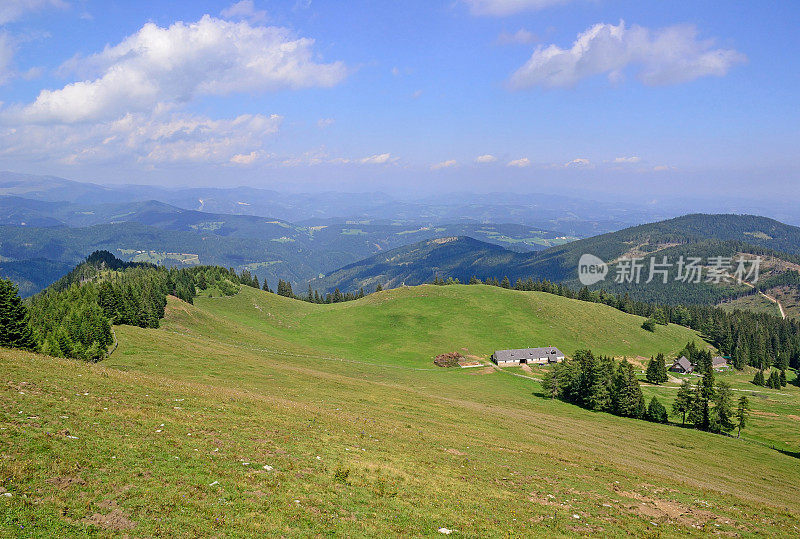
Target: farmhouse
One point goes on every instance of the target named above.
(682, 365)
(719, 362)
(537, 356)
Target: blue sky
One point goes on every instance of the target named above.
(586, 96)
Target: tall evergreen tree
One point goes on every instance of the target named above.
(723, 408)
(742, 413)
(15, 331)
(683, 401)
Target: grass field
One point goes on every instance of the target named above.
(257, 415)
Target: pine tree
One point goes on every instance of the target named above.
(723, 408)
(15, 331)
(656, 411)
(758, 379)
(783, 378)
(657, 370)
(627, 398)
(505, 283)
(378, 288)
(550, 384)
(742, 413)
(683, 401)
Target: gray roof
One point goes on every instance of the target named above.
(684, 363)
(719, 360)
(527, 354)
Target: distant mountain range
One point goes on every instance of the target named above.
(696, 235)
(62, 233)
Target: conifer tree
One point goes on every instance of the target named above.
(758, 379)
(742, 413)
(723, 408)
(656, 411)
(15, 332)
(683, 401)
(505, 283)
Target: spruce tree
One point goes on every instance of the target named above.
(683, 401)
(15, 332)
(758, 379)
(656, 411)
(723, 408)
(657, 370)
(742, 413)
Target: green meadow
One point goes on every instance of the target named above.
(257, 415)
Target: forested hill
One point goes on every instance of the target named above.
(73, 317)
(697, 235)
(457, 257)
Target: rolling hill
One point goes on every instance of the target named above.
(696, 235)
(260, 415)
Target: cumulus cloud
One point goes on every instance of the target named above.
(665, 56)
(144, 138)
(12, 10)
(488, 158)
(322, 123)
(176, 64)
(444, 164)
(501, 8)
(623, 160)
(520, 37)
(245, 9)
(377, 159)
(520, 163)
(579, 162)
(246, 159)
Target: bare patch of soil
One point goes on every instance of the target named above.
(65, 482)
(115, 520)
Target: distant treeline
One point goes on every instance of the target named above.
(757, 339)
(601, 384)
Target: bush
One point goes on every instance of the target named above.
(649, 325)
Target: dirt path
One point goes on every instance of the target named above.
(775, 301)
(770, 298)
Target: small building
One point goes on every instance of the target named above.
(719, 362)
(536, 356)
(682, 365)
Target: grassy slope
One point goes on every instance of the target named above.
(424, 447)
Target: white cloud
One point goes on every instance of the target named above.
(162, 137)
(500, 8)
(666, 56)
(520, 37)
(6, 56)
(322, 123)
(579, 162)
(623, 160)
(245, 9)
(520, 163)
(173, 65)
(417, 94)
(246, 159)
(12, 10)
(488, 158)
(378, 159)
(662, 168)
(444, 164)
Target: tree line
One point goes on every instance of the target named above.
(599, 383)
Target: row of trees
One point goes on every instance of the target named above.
(776, 379)
(709, 405)
(599, 383)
